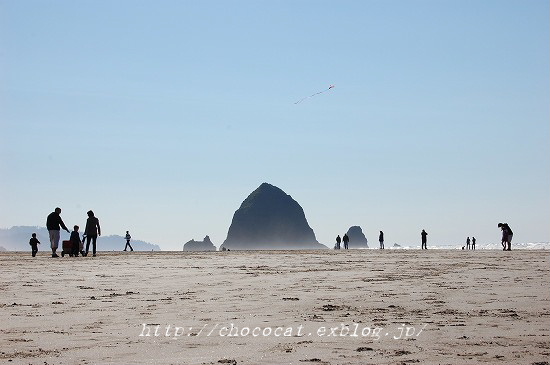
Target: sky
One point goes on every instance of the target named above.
(163, 116)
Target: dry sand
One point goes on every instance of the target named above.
(485, 306)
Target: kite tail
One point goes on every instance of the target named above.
(312, 95)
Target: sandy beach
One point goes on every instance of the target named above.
(281, 307)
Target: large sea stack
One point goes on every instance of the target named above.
(269, 219)
(357, 238)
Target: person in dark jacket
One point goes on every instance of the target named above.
(381, 240)
(345, 239)
(338, 240)
(54, 223)
(128, 238)
(506, 236)
(75, 241)
(424, 235)
(34, 242)
(91, 231)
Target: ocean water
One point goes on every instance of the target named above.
(486, 246)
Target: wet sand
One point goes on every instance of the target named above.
(281, 307)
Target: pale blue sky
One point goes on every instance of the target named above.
(162, 116)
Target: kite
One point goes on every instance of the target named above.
(312, 95)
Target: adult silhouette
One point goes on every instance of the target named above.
(92, 231)
(424, 235)
(54, 223)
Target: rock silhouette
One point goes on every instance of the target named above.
(357, 238)
(204, 245)
(270, 219)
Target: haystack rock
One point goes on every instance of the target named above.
(204, 245)
(356, 238)
(269, 219)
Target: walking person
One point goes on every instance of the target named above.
(424, 240)
(473, 243)
(91, 231)
(381, 240)
(128, 238)
(338, 240)
(34, 242)
(54, 223)
(468, 243)
(346, 241)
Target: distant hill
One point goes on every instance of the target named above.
(17, 239)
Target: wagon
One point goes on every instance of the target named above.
(67, 248)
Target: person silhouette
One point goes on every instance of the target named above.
(91, 231)
(338, 240)
(75, 242)
(128, 238)
(468, 243)
(346, 241)
(54, 223)
(506, 236)
(424, 240)
(473, 243)
(381, 240)
(34, 242)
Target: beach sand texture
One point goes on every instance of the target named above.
(466, 307)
